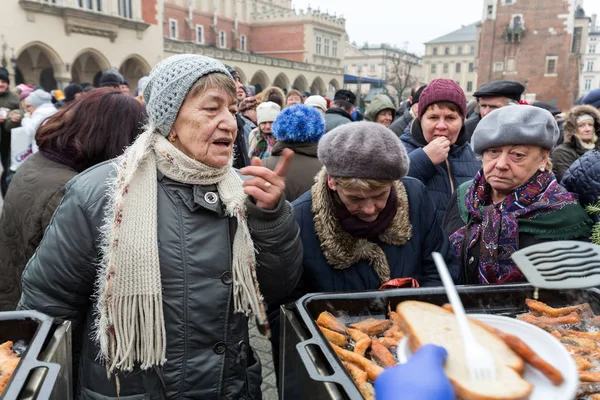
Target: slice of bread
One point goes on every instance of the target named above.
(429, 324)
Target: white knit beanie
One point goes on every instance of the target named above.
(267, 112)
(169, 83)
(316, 101)
(38, 98)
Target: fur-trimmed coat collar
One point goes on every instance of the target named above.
(342, 250)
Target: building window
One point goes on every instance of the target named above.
(577, 39)
(459, 50)
(490, 11)
(471, 67)
(445, 69)
(592, 48)
(588, 84)
(372, 67)
(457, 70)
(243, 43)
(173, 31)
(326, 47)
(510, 64)
(125, 9)
(334, 48)
(551, 62)
(433, 68)
(447, 51)
(435, 51)
(508, 2)
(345, 69)
(469, 86)
(95, 5)
(472, 49)
(222, 39)
(498, 66)
(318, 46)
(199, 34)
(590, 66)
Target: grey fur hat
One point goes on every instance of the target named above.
(169, 83)
(364, 150)
(516, 125)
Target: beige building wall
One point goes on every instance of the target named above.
(444, 64)
(76, 43)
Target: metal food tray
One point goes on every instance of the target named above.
(34, 329)
(322, 364)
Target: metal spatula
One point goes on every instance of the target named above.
(560, 265)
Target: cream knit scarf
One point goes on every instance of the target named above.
(130, 326)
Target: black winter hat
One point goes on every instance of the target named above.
(345, 95)
(415, 97)
(71, 90)
(4, 75)
(109, 80)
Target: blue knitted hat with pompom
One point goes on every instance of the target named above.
(299, 123)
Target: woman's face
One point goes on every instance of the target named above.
(384, 117)
(363, 204)
(437, 122)
(585, 130)
(508, 167)
(205, 128)
(293, 99)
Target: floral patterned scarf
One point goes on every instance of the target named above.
(264, 145)
(495, 226)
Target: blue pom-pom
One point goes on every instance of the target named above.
(299, 123)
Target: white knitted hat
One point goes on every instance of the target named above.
(267, 112)
(169, 83)
(317, 101)
(38, 98)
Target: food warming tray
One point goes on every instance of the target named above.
(322, 364)
(34, 329)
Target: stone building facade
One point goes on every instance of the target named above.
(267, 42)
(536, 42)
(53, 42)
(453, 56)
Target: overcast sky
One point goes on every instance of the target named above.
(414, 21)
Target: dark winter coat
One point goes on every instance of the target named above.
(583, 178)
(240, 147)
(9, 100)
(572, 148)
(302, 170)
(470, 125)
(335, 117)
(208, 352)
(401, 123)
(441, 180)
(413, 259)
(35, 192)
(569, 223)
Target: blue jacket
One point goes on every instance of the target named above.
(410, 260)
(583, 178)
(462, 160)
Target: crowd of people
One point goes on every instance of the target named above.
(159, 222)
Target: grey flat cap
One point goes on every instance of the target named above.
(169, 83)
(363, 150)
(515, 125)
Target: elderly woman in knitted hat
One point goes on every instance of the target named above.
(159, 257)
(364, 223)
(261, 139)
(440, 156)
(299, 129)
(582, 127)
(514, 201)
(381, 110)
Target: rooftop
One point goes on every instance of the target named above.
(467, 33)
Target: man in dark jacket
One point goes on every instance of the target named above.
(491, 96)
(8, 101)
(341, 109)
(399, 125)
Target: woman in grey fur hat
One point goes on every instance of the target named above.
(514, 201)
(159, 257)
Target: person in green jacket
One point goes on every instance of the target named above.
(381, 110)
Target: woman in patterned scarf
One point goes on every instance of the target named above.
(514, 201)
(261, 140)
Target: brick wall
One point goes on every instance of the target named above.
(285, 41)
(210, 39)
(149, 12)
(540, 18)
